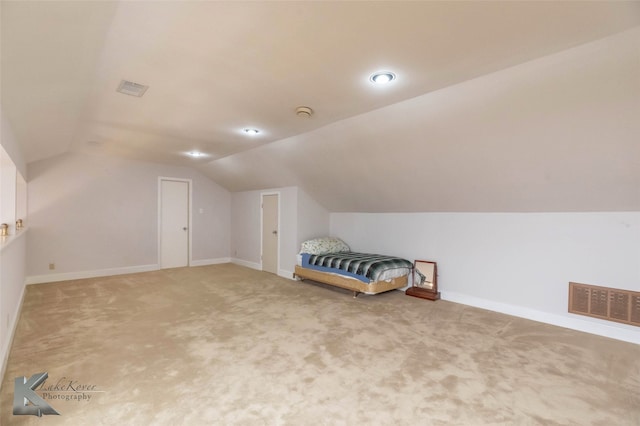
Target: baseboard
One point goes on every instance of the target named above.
(286, 274)
(252, 265)
(6, 348)
(258, 266)
(205, 262)
(66, 276)
(597, 327)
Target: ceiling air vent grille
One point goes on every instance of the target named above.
(131, 88)
(605, 303)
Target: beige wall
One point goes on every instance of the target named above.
(559, 133)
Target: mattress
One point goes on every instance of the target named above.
(361, 266)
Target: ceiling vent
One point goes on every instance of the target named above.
(605, 303)
(131, 88)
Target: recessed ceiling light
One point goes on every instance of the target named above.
(382, 77)
(195, 154)
(251, 132)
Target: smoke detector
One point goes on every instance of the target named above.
(304, 112)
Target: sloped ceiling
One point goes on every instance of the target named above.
(498, 106)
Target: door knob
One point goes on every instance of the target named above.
(184, 229)
(274, 232)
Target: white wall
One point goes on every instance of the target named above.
(12, 284)
(12, 249)
(246, 217)
(8, 189)
(313, 219)
(245, 228)
(94, 215)
(12, 181)
(300, 218)
(288, 231)
(10, 145)
(517, 263)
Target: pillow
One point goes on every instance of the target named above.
(324, 245)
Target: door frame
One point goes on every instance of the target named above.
(262, 195)
(189, 214)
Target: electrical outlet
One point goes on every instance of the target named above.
(52, 266)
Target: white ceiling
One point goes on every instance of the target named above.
(215, 68)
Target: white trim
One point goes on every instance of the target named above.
(286, 274)
(8, 239)
(246, 263)
(205, 262)
(8, 343)
(190, 208)
(40, 279)
(262, 195)
(599, 328)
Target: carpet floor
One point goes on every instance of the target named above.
(227, 345)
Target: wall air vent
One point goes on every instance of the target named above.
(605, 303)
(131, 88)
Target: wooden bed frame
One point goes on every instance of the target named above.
(352, 284)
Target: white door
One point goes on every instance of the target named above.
(174, 223)
(270, 233)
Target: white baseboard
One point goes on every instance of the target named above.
(598, 327)
(66, 276)
(6, 345)
(252, 265)
(258, 266)
(205, 262)
(286, 274)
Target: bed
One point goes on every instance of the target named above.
(330, 261)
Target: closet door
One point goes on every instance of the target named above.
(174, 223)
(270, 233)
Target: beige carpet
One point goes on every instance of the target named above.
(226, 345)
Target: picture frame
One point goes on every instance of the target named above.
(425, 280)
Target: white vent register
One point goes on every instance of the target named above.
(131, 88)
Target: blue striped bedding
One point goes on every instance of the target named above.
(362, 266)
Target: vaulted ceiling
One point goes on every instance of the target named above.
(489, 111)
